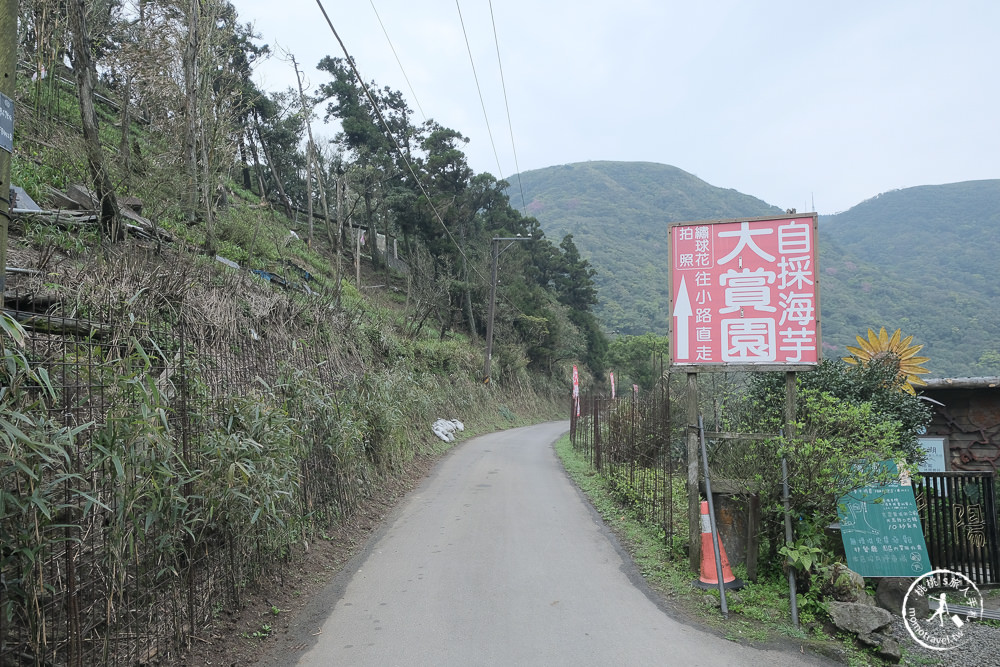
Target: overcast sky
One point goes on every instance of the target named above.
(793, 102)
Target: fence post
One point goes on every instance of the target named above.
(572, 421)
(597, 436)
(694, 503)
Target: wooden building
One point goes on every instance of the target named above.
(966, 421)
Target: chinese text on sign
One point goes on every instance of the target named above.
(744, 292)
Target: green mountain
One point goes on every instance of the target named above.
(617, 213)
(923, 259)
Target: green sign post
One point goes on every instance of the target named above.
(881, 529)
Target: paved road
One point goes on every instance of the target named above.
(497, 559)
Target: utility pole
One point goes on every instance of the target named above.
(8, 65)
(493, 298)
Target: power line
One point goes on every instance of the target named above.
(510, 126)
(402, 155)
(479, 89)
(386, 33)
(399, 149)
(388, 130)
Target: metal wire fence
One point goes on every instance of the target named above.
(151, 474)
(639, 444)
(635, 444)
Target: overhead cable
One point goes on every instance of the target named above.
(399, 150)
(510, 126)
(386, 33)
(479, 90)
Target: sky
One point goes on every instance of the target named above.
(806, 105)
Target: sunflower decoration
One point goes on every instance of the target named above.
(895, 348)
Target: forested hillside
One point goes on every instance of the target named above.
(222, 166)
(920, 259)
(924, 259)
(212, 355)
(617, 213)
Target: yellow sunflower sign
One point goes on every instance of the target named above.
(893, 348)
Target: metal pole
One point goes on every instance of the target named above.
(8, 66)
(789, 539)
(492, 310)
(711, 519)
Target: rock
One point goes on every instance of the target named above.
(858, 618)
(886, 647)
(843, 584)
(870, 639)
(891, 592)
(889, 650)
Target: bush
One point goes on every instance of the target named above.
(846, 417)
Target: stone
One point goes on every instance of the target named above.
(891, 592)
(858, 618)
(889, 650)
(843, 584)
(871, 640)
(886, 647)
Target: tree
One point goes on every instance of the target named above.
(876, 383)
(846, 416)
(86, 78)
(574, 284)
(637, 359)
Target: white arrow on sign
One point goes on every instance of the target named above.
(682, 311)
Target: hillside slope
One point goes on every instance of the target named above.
(617, 213)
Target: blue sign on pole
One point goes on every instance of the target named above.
(6, 123)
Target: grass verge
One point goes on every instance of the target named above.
(758, 614)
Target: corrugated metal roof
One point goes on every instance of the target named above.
(991, 382)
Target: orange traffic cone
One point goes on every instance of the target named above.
(709, 574)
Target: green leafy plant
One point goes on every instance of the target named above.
(42, 490)
(802, 556)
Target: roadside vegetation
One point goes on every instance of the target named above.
(223, 336)
(845, 415)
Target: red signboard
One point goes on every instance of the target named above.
(744, 292)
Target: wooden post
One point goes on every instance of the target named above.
(694, 501)
(790, 404)
(753, 535)
(598, 463)
(789, 533)
(357, 257)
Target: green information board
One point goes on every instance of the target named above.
(881, 530)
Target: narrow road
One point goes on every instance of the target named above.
(498, 559)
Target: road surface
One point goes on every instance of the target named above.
(498, 559)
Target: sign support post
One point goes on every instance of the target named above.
(694, 502)
(8, 67)
(744, 295)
